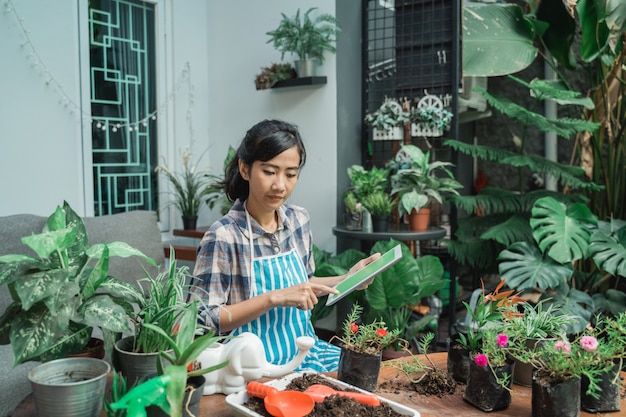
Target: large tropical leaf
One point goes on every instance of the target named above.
(497, 39)
(561, 231)
(514, 229)
(524, 267)
(609, 251)
(102, 311)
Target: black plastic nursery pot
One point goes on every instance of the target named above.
(609, 396)
(458, 361)
(555, 399)
(483, 390)
(359, 369)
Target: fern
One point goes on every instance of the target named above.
(490, 200)
(568, 175)
(479, 151)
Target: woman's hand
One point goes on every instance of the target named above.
(303, 296)
(360, 265)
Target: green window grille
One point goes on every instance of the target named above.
(123, 105)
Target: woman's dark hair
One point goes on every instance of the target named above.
(262, 142)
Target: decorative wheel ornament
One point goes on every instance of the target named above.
(431, 110)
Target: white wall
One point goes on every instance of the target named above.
(224, 44)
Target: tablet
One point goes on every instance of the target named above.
(372, 269)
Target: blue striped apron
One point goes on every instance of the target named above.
(279, 327)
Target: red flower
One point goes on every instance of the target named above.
(381, 332)
(354, 327)
(481, 360)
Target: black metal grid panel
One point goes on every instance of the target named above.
(410, 53)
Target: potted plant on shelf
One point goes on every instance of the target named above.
(190, 189)
(272, 74)
(308, 38)
(364, 182)
(379, 205)
(388, 121)
(59, 297)
(354, 212)
(361, 346)
(416, 181)
(168, 389)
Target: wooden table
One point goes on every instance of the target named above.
(428, 406)
(185, 252)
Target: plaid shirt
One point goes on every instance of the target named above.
(223, 259)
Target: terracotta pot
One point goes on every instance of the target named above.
(555, 399)
(419, 220)
(483, 390)
(359, 369)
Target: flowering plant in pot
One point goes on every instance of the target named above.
(561, 363)
(490, 373)
(361, 346)
(535, 325)
(603, 347)
(484, 311)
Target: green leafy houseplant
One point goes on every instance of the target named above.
(390, 114)
(416, 181)
(566, 236)
(379, 203)
(504, 213)
(168, 389)
(191, 187)
(161, 304)
(433, 116)
(364, 182)
(59, 297)
(306, 37)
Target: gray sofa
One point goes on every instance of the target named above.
(138, 228)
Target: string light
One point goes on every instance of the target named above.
(36, 62)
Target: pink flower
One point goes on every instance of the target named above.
(562, 345)
(381, 332)
(481, 360)
(589, 343)
(502, 340)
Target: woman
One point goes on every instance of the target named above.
(256, 263)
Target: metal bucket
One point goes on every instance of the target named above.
(69, 387)
(306, 68)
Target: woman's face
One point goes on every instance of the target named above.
(271, 182)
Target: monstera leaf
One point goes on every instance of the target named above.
(561, 231)
(525, 267)
(608, 249)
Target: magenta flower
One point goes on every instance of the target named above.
(502, 340)
(589, 343)
(481, 360)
